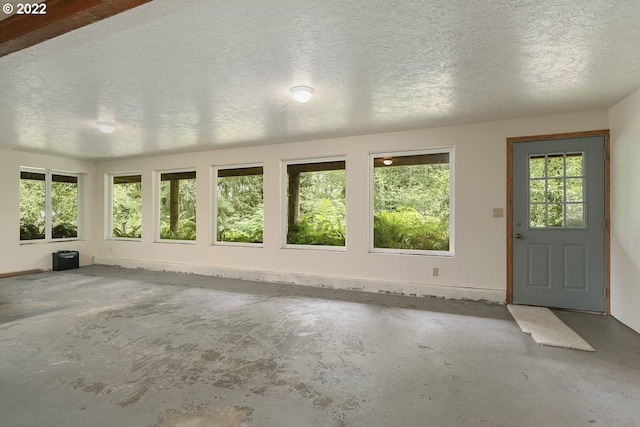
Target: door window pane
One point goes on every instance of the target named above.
(555, 190)
(555, 215)
(537, 191)
(574, 165)
(555, 165)
(575, 215)
(538, 215)
(575, 190)
(537, 167)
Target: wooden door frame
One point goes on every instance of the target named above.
(607, 187)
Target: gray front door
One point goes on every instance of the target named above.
(559, 223)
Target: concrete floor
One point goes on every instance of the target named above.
(105, 346)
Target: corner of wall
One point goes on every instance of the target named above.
(624, 120)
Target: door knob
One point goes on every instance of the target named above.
(518, 236)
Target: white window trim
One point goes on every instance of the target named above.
(109, 213)
(214, 205)
(432, 150)
(48, 173)
(285, 199)
(158, 223)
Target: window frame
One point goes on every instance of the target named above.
(450, 150)
(284, 204)
(48, 206)
(111, 177)
(157, 202)
(214, 204)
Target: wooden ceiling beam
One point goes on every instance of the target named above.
(19, 32)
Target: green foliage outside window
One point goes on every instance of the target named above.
(178, 221)
(322, 216)
(127, 206)
(411, 206)
(240, 216)
(64, 207)
(32, 206)
(33, 209)
(556, 191)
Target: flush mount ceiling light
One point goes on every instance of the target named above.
(302, 94)
(387, 161)
(106, 127)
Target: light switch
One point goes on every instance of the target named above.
(498, 212)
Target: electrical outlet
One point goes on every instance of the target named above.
(435, 271)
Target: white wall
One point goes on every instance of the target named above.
(477, 271)
(16, 256)
(625, 210)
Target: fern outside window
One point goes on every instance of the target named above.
(178, 206)
(412, 207)
(126, 206)
(316, 203)
(239, 205)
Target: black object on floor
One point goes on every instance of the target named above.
(66, 260)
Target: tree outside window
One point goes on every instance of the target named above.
(178, 205)
(316, 203)
(411, 206)
(239, 205)
(126, 206)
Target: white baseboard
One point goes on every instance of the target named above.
(365, 285)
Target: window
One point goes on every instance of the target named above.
(33, 211)
(64, 206)
(48, 205)
(412, 206)
(178, 205)
(126, 206)
(316, 203)
(239, 205)
(556, 191)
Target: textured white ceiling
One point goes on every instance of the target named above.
(198, 75)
